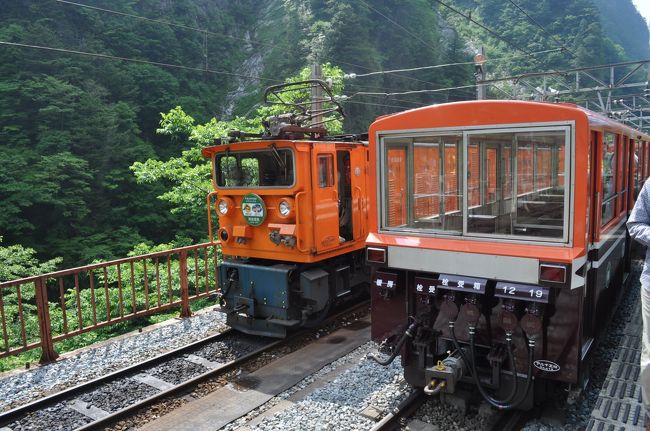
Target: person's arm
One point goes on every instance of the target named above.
(639, 222)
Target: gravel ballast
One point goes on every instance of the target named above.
(338, 404)
(118, 395)
(20, 388)
(58, 418)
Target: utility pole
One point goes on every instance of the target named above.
(316, 95)
(480, 74)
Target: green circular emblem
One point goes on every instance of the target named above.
(253, 209)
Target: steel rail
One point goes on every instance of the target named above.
(16, 412)
(181, 387)
(406, 408)
(70, 393)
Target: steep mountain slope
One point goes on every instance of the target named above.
(72, 124)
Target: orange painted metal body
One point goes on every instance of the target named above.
(469, 114)
(314, 218)
(506, 221)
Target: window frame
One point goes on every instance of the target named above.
(568, 127)
(613, 197)
(217, 169)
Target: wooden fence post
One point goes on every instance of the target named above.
(48, 354)
(185, 294)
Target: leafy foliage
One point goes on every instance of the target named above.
(187, 178)
(71, 126)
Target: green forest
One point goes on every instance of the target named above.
(104, 105)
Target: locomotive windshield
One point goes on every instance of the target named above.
(270, 167)
(511, 185)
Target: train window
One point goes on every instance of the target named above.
(646, 166)
(325, 170)
(537, 161)
(514, 183)
(608, 178)
(263, 168)
(623, 173)
(396, 187)
(436, 199)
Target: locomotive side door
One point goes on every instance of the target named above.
(325, 197)
(357, 180)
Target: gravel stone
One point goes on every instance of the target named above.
(231, 347)
(118, 395)
(58, 418)
(20, 388)
(177, 371)
(338, 404)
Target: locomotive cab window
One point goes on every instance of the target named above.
(325, 170)
(512, 185)
(265, 168)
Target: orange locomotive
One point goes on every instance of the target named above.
(292, 216)
(497, 237)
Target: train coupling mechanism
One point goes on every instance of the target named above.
(410, 332)
(444, 376)
(278, 239)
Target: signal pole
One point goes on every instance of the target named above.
(480, 74)
(316, 96)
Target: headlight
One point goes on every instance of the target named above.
(223, 207)
(284, 208)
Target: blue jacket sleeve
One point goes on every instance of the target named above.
(639, 222)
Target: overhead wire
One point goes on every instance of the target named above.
(435, 90)
(160, 21)
(534, 21)
(438, 66)
(200, 30)
(135, 60)
(489, 30)
(376, 104)
(205, 31)
(492, 32)
(398, 25)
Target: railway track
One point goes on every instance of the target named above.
(506, 420)
(107, 399)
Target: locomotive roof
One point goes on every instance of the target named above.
(263, 144)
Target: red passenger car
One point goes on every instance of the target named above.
(497, 236)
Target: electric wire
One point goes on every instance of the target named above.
(398, 25)
(435, 90)
(398, 100)
(492, 32)
(355, 102)
(160, 21)
(135, 60)
(534, 21)
(439, 66)
(203, 31)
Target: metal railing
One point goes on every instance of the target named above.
(45, 309)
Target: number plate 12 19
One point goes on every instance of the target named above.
(525, 292)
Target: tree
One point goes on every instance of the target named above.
(187, 178)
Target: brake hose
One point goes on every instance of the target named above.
(506, 404)
(410, 333)
(513, 390)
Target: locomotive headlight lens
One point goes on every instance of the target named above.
(284, 208)
(223, 207)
